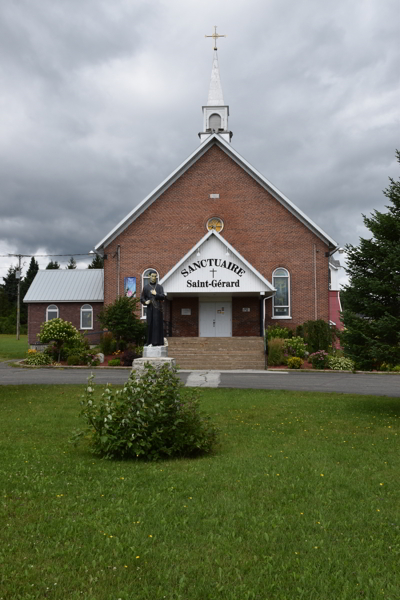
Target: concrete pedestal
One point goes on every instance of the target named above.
(155, 351)
(138, 364)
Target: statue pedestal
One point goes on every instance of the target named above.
(155, 351)
(158, 363)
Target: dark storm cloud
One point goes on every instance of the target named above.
(100, 101)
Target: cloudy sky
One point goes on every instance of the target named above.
(101, 100)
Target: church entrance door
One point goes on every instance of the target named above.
(215, 319)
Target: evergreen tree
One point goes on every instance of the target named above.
(25, 285)
(371, 301)
(53, 265)
(71, 264)
(97, 262)
(10, 285)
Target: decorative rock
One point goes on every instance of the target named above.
(139, 364)
(155, 351)
(100, 357)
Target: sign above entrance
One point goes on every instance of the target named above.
(214, 266)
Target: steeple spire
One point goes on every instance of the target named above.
(215, 96)
(215, 114)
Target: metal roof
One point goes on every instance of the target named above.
(67, 285)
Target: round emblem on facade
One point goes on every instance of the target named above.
(215, 223)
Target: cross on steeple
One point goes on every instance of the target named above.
(215, 35)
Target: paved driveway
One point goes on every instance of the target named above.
(374, 383)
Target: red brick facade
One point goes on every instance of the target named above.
(262, 230)
(69, 311)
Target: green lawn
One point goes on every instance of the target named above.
(11, 348)
(300, 501)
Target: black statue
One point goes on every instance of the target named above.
(152, 297)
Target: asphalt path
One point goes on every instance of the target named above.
(348, 383)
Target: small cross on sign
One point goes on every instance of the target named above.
(213, 271)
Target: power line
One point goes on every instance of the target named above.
(42, 255)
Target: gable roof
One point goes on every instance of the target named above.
(214, 139)
(261, 283)
(67, 285)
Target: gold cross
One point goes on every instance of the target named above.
(215, 35)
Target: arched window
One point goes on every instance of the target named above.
(281, 300)
(51, 312)
(86, 317)
(214, 122)
(145, 281)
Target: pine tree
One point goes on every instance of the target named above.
(53, 265)
(25, 285)
(371, 301)
(71, 263)
(97, 262)
(10, 285)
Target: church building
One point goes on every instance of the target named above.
(233, 254)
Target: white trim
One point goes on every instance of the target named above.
(288, 306)
(212, 139)
(83, 309)
(47, 312)
(280, 318)
(231, 248)
(142, 313)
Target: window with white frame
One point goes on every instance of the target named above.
(51, 312)
(86, 317)
(281, 300)
(145, 280)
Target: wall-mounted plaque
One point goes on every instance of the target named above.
(245, 310)
(186, 311)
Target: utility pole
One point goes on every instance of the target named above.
(18, 276)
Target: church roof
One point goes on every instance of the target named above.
(67, 285)
(216, 139)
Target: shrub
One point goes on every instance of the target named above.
(319, 360)
(59, 332)
(107, 343)
(115, 362)
(151, 417)
(396, 369)
(339, 363)
(276, 352)
(38, 359)
(318, 335)
(121, 320)
(74, 359)
(129, 355)
(295, 347)
(276, 331)
(294, 362)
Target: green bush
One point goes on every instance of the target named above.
(339, 363)
(276, 352)
(107, 343)
(114, 362)
(74, 359)
(151, 417)
(295, 347)
(396, 369)
(58, 331)
(276, 331)
(318, 335)
(294, 362)
(38, 359)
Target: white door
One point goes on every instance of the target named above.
(215, 319)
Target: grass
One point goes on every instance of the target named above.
(301, 500)
(11, 348)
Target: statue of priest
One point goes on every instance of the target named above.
(152, 297)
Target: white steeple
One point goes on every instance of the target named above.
(216, 113)
(215, 96)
